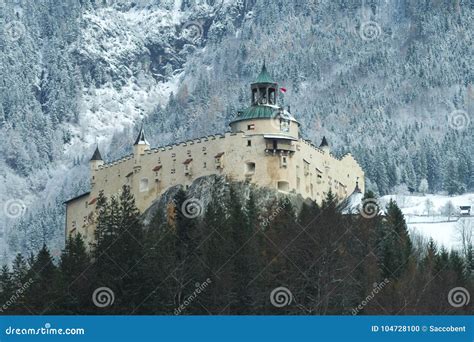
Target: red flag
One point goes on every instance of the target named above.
(283, 90)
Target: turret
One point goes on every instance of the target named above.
(141, 144)
(94, 164)
(96, 160)
(324, 145)
(264, 116)
(357, 189)
(264, 89)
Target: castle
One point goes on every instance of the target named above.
(264, 147)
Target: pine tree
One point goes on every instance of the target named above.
(6, 287)
(216, 253)
(395, 242)
(19, 270)
(189, 268)
(42, 295)
(242, 226)
(75, 276)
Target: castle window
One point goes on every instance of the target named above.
(284, 162)
(173, 155)
(306, 167)
(187, 166)
(263, 96)
(143, 184)
(283, 186)
(219, 160)
(249, 142)
(173, 171)
(284, 125)
(271, 97)
(204, 165)
(204, 148)
(129, 177)
(250, 168)
(251, 127)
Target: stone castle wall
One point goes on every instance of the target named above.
(289, 165)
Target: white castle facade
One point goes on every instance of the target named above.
(264, 148)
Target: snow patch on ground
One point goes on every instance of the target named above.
(424, 216)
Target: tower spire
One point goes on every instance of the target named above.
(357, 189)
(96, 155)
(324, 142)
(141, 140)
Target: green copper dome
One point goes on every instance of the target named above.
(257, 112)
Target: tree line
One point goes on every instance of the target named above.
(233, 256)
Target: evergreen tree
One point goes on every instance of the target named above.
(189, 268)
(395, 244)
(75, 276)
(42, 295)
(6, 286)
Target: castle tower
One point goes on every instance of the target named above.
(324, 145)
(141, 144)
(264, 116)
(264, 89)
(94, 164)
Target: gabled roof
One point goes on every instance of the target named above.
(264, 76)
(141, 140)
(96, 155)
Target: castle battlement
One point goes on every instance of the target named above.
(263, 147)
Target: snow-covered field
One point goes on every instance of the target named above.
(432, 216)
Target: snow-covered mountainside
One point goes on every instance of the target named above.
(389, 81)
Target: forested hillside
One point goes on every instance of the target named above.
(234, 257)
(389, 81)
